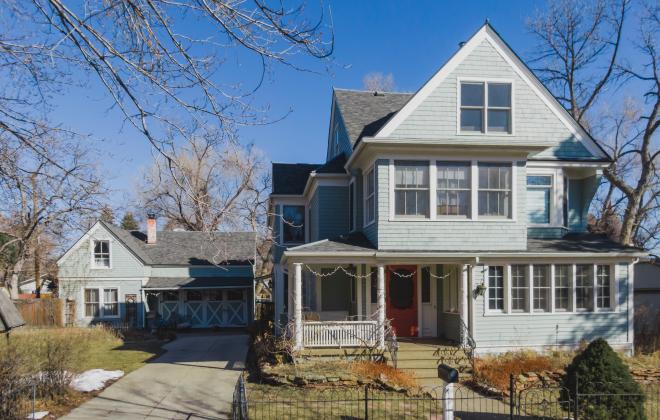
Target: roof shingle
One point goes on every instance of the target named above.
(291, 178)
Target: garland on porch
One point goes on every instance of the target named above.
(368, 275)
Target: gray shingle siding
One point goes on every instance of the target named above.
(548, 329)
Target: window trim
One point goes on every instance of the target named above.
(573, 310)
(365, 197)
(101, 302)
(485, 131)
(468, 164)
(92, 257)
(553, 220)
(305, 222)
(514, 187)
(505, 288)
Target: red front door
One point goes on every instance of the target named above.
(401, 297)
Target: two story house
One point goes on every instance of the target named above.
(197, 279)
(458, 211)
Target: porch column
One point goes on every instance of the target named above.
(297, 305)
(463, 302)
(380, 293)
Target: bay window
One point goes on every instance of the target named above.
(539, 196)
(519, 288)
(496, 288)
(453, 188)
(541, 288)
(411, 188)
(495, 190)
(584, 287)
(562, 288)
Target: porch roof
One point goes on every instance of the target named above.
(171, 283)
(572, 245)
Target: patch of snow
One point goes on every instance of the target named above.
(94, 379)
(37, 415)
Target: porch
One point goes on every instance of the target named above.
(355, 304)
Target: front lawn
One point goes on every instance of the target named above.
(30, 352)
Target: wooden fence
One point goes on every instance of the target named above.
(50, 312)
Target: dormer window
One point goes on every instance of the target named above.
(101, 254)
(485, 107)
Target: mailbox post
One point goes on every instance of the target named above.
(449, 375)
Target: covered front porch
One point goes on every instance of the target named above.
(330, 300)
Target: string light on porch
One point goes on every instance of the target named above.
(369, 274)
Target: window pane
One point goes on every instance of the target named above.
(538, 205)
(499, 120)
(91, 302)
(538, 180)
(496, 288)
(494, 176)
(603, 299)
(584, 286)
(519, 287)
(454, 175)
(453, 203)
(562, 288)
(541, 288)
(293, 223)
(499, 95)
(472, 94)
(471, 120)
(412, 174)
(494, 203)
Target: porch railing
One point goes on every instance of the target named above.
(339, 333)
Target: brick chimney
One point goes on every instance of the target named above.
(151, 228)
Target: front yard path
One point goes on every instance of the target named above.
(194, 379)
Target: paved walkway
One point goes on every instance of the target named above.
(194, 380)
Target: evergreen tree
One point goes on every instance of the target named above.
(128, 222)
(107, 215)
(604, 384)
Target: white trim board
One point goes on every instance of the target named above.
(488, 34)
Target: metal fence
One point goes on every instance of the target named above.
(454, 401)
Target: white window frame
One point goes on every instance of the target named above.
(556, 196)
(468, 165)
(100, 290)
(569, 279)
(505, 287)
(433, 183)
(305, 223)
(547, 288)
(393, 190)
(352, 210)
(92, 244)
(365, 182)
(485, 131)
(572, 304)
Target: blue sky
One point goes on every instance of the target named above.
(411, 40)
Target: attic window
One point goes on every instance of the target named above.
(101, 254)
(486, 107)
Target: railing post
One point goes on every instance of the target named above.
(512, 395)
(448, 402)
(366, 402)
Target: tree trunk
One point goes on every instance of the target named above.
(629, 218)
(13, 281)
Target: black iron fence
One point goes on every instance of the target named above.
(455, 401)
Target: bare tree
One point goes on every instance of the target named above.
(38, 199)
(578, 49)
(378, 82)
(580, 60)
(212, 187)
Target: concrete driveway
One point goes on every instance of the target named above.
(194, 380)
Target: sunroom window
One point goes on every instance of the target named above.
(584, 287)
(541, 288)
(453, 190)
(562, 288)
(411, 188)
(495, 190)
(519, 288)
(496, 288)
(603, 289)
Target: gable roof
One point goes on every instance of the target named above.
(291, 178)
(488, 33)
(365, 112)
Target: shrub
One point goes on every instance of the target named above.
(598, 371)
(13, 388)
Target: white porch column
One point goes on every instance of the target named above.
(380, 293)
(297, 305)
(463, 293)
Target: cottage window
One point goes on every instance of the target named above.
(603, 287)
(370, 196)
(453, 188)
(102, 254)
(110, 302)
(494, 190)
(496, 288)
(411, 188)
(293, 224)
(485, 107)
(92, 304)
(541, 288)
(562, 288)
(539, 193)
(584, 287)
(519, 288)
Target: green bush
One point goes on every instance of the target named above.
(605, 386)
